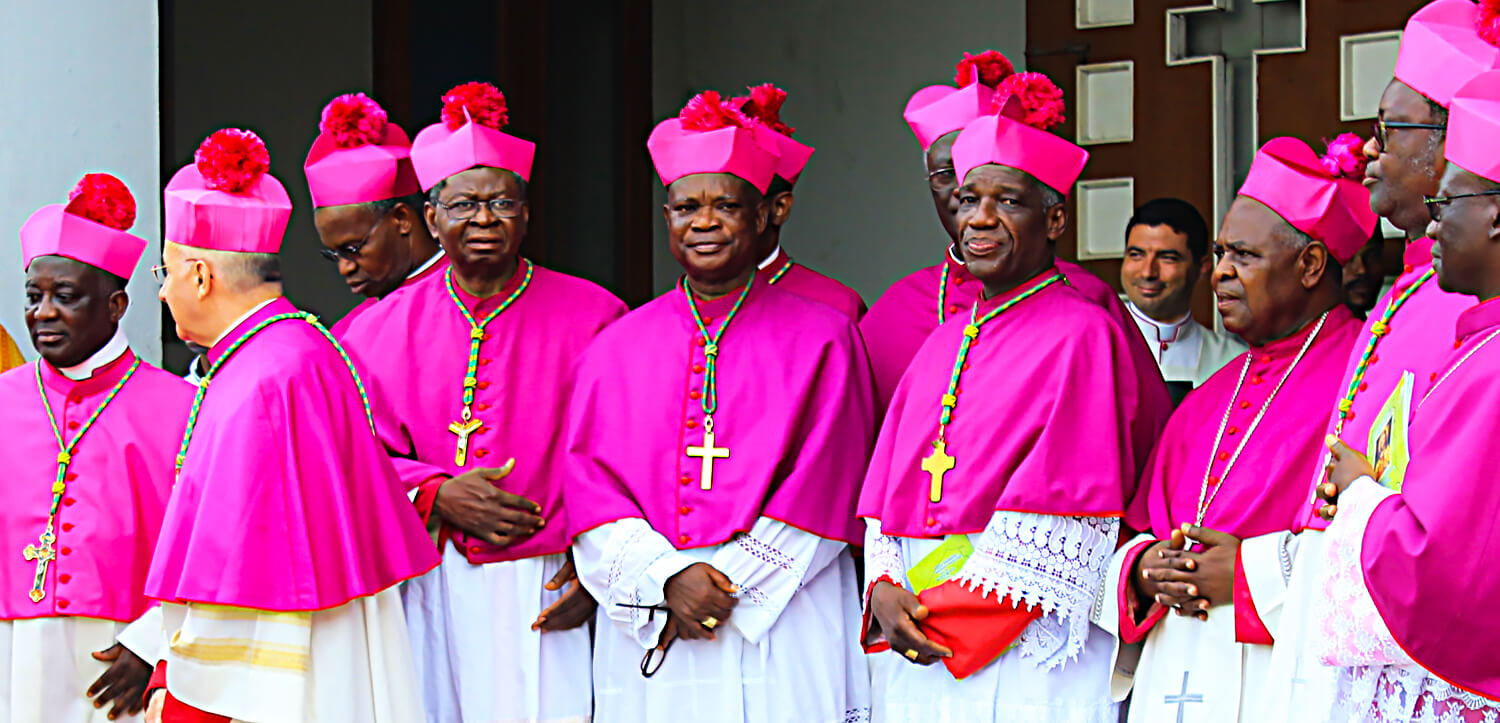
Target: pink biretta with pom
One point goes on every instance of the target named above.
(1014, 133)
(1444, 45)
(1474, 127)
(468, 135)
(359, 155)
(227, 199)
(91, 227)
(764, 105)
(712, 135)
(938, 110)
(1332, 206)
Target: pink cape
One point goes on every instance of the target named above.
(286, 500)
(414, 347)
(794, 409)
(906, 314)
(1419, 341)
(810, 284)
(1429, 552)
(1017, 445)
(118, 484)
(1265, 491)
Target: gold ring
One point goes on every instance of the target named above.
(911, 654)
(710, 622)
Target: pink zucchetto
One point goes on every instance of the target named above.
(227, 199)
(359, 155)
(711, 135)
(468, 135)
(1323, 197)
(91, 227)
(1014, 132)
(1474, 127)
(1444, 45)
(937, 110)
(764, 104)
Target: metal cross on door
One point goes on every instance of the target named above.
(1232, 37)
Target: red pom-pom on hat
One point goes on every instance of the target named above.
(1041, 99)
(232, 160)
(1345, 157)
(353, 120)
(481, 103)
(764, 104)
(103, 199)
(1488, 21)
(707, 111)
(989, 68)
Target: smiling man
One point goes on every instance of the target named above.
(1410, 563)
(473, 412)
(90, 431)
(1235, 458)
(716, 440)
(912, 307)
(1166, 251)
(367, 205)
(987, 532)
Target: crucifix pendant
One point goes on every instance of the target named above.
(463, 430)
(936, 465)
(41, 556)
(708, 453)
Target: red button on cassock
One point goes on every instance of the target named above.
(68, 501)
(695, 395)
(62, 604)
(683, 539)
(66, 551)
(931, 522)
(1223, 456)
(481, 453)
(953, 308)
(67, 527)
(1245, 404)
(64, 578)
(697, 368)
(692, 424)
(686, 480)
(72, 425)
(684, 510)
(1234, 430)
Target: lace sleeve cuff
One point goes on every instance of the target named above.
(1353, 632)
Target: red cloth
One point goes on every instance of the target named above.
(1248, 627)
(976, 628)
(173, 710)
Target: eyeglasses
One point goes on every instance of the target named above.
(467, 209)
(160, 271)
(350, 252)
(942, 179)
(1435, 204)
(1383, 126)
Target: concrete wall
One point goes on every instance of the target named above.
(269, 66)
(863, 213)
(81, 76)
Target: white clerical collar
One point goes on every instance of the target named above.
(112, 350)
(1165, 330)
(767, 260)
(954, 256)
(235, 324)
(425, 265)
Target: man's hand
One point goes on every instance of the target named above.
(696, 594)
(1162, 576)
(123, 683)
(574, 608)
(472, 503)
(1344, 466)
(1212, 577)
(153, 710)
(897, 612)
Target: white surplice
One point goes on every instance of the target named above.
(1376, 679)
(477, 657)
(790, 651)
(1194, 670)
(348, 663)
(1058, 671)
(1185, 350)
(46, 668)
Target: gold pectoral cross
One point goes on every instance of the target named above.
(708, 452)
(938, 464)
(41, 555)
(463, 430)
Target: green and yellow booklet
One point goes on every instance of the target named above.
(1388, 442)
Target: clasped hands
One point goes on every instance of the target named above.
(1188, 582)
(471, 502)
(700, 599)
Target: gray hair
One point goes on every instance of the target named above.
(1051, 197)
(242, 272)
